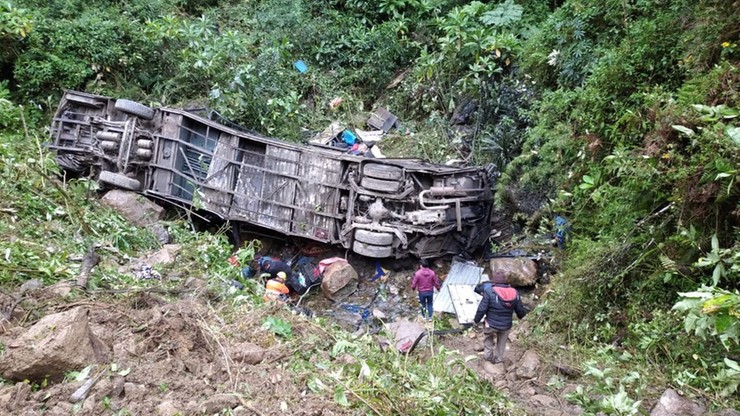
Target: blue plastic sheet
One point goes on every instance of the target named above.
(300, 66)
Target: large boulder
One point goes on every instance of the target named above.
(521, 271)
(137, 210)
(339, 281)
(672, 404)
(56, 344)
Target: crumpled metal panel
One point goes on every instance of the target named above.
(461, 273)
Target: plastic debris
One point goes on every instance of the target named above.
(301, 66)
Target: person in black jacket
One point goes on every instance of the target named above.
(500, 302)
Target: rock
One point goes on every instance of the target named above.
(545, 400)
(163, 236)
(166, 255)
(88, 406)
(527, 391)
(248, 353)
(61, 289)
(123, 349)
(29, 285)
(60, 409)
(568, 371)
(521, 271)
(528, 365)
(672, 404)
(134, 391)
(218, 403)
(18, 396)
(405, 333)
(117, 385)
(494, 369)
(346, 359)
(5, 398)
(167, 408)
(137, 210)
(478, 347)
(725, 412)
(54, 345)
(339, 281)
(133, 207)
(511, 376)
(378, 314)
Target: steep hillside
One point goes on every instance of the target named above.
(619, 116)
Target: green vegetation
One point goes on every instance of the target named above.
(620, 115)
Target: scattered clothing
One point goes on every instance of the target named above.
(379, 272)
(147, 273)
(425, 281)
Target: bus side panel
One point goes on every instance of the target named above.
(221, 176)
(249, 179)
(278, 189)
(317, 200)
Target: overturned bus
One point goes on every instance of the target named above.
(375, 207)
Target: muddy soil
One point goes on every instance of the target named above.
(173, 358)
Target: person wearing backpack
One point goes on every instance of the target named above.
(500, 302)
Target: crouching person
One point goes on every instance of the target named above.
(275, 288)
(500, 302)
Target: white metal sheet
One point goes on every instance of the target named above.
(461, 273)
(465, 301)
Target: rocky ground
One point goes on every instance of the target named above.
(167, 350)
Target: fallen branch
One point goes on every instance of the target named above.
(82, 392)
(143, 290)
(91, 260)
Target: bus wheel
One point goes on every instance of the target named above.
(369, 250)
(374, 238)
(119, 181)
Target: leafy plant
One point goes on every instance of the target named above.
(504, 14)
(278, 327)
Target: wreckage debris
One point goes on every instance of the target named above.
(382, 119)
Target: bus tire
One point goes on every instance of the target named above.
(369, 250)
(135, 109)
(378, 171)
(374, 238)
(381, 185)
(119, 181)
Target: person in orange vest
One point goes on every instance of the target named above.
(275, 288)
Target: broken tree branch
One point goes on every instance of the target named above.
(91, 260)
(82, 392)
